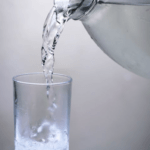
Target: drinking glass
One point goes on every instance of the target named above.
(41, 112)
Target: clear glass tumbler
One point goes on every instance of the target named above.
(41, 112)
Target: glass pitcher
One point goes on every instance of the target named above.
(121, 28)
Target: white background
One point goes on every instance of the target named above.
(110, 106)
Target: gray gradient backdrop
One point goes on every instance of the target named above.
(110, 106)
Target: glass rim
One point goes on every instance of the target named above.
(34, 73)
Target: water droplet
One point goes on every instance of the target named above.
(34, 135)
(55, 106)
(39, 129)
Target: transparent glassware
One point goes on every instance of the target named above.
(121, 28)
(123, 33)
(41, 112)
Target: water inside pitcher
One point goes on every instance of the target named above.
(123, 33)
(121, 28)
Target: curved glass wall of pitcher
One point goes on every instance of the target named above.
(123, 33)
(126, 2)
